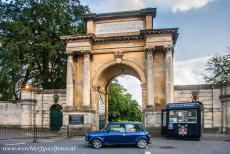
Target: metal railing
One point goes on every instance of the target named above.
(35, 131)
(26, 132)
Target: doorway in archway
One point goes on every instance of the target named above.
(56, 117)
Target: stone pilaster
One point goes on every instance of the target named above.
(28, 115)
(69, 83)
(169, 74)
(224, 119)
(86, 80)
(95, 98)
(144, 95)
(149, 74)
(106, 108)
(225, 100)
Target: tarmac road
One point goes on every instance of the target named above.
(78, 146)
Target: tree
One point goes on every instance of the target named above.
(121, 105)
(30, 48)
(218, 69)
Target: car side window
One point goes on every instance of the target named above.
(132, 128)
(117, 128)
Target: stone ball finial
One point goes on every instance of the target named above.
(195, 95)
(56, 97)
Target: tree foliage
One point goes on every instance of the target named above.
(30, 48)
(218, 69)
(121, 105)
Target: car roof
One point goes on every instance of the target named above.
(125, 123)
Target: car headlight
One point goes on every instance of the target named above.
(149, 135)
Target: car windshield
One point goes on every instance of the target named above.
(112, 127)
(142, 127)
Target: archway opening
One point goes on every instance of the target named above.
(129, 84)
(124, 99)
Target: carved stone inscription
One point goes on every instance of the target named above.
(119, 27)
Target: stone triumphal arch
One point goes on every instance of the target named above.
(119, 43)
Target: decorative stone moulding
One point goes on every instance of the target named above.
(118, 57)
(93, 39)
(122, 14)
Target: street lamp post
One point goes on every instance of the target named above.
(34, 116)
(35, 128)
(28, 88)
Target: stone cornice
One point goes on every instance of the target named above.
(93, 38)
(51, 91)
(90, 37)
(197, 87)
(159, 31)
(164, 31)
(28, 101)
(119, 38)
(122, 14)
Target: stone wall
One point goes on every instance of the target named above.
(216, 100)
(22, 112)
(44, 102)
(210, 96)
(10, 113)
(225, 99)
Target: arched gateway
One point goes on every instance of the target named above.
(119, 43)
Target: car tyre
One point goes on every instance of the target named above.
(96, 143)
(142, 143)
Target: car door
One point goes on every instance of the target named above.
(116, 134)
(133, 132)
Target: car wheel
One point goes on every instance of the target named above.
(141, 143)
(96, 143)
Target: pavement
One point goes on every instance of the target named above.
(209, 144)
(216, 137)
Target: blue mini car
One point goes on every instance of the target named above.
(117, 133)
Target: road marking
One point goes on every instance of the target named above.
(147, 152)
(15, 144)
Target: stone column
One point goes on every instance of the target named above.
(150, 81)
(169, 74)
(69, 83)
(86, 80)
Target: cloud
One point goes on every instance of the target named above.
(133, 86)
(117, 5)
(99, 6)
(189, 72)
(183, 5)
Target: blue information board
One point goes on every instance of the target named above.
(182, 105)
(76, 119)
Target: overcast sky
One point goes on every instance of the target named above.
(204, 30)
